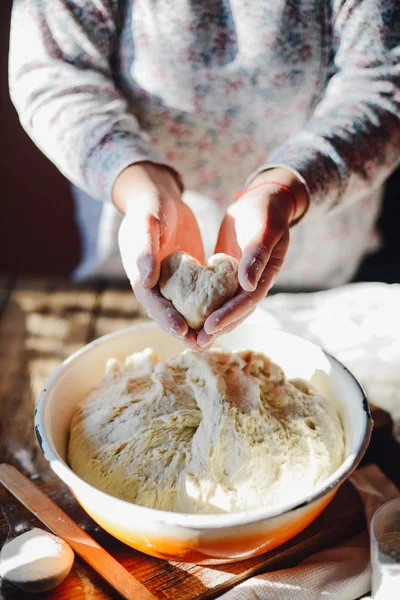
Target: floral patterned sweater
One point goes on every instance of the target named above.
(218, 89)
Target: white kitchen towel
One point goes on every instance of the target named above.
(339, 573)
(359, 324)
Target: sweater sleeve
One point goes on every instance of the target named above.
(62, 86)
(351, 143)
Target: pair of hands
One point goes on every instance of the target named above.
(255, 230)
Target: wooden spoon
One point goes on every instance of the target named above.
(62, 525)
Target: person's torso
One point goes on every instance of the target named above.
(219, 84)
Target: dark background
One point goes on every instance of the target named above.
(38, 233)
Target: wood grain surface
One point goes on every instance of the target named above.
(59, 523)
(42, 322)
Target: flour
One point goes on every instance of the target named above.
(36, 561)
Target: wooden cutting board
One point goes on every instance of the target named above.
(170, 580)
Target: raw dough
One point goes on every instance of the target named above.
(204, 432)
(197, 290)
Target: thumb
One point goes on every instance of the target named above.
(139, 243)
(257, 237)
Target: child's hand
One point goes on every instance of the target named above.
(156, 223)
(255, 231)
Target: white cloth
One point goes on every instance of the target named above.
(339, 573)
(359, 324)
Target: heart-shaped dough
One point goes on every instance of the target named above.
(197, 290)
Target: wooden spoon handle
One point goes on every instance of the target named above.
(62, 525)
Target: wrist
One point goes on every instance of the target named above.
(287, 178)
(143, 178)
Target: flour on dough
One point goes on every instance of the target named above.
(204, 432)
(197, 290)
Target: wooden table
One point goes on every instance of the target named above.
(43, 321)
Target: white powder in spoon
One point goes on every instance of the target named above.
(36, 561)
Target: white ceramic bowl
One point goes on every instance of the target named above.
(204, 539)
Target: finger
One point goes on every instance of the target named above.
(204, 340)
(256, 256)
(230, 312)
(148, 258)
(161, 310)
(227, 241)
(245, 301)
(258, 231)
(191, 340)
(139, 247)
(254, 260)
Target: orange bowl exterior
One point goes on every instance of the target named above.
(203, 549)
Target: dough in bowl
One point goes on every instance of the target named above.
(204, 432)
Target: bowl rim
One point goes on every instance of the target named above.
(191, 520)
